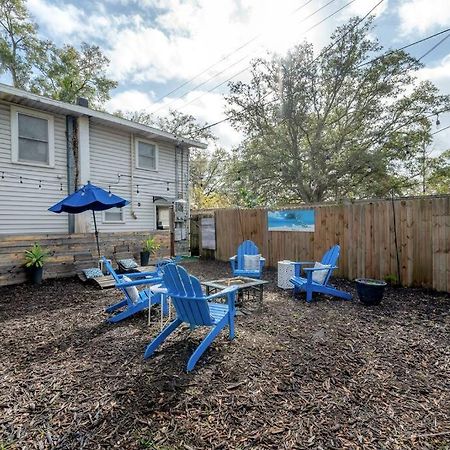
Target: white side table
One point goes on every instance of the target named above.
(286, 270)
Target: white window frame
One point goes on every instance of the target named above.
(15, 136)
(104, 220)
(146, 141)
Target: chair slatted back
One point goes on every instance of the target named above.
(187, 296)
(330, 258)
(246, 248)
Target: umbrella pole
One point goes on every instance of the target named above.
(96, 234)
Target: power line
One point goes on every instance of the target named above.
(248, 67)
(254, 38)
(442, 129)
(369, 62)
(391, 52)
(434, 47)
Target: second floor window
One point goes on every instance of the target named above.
(147, 155)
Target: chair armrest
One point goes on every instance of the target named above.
(141, 274)
(298, 267)
(146, 281)
(233, 257)
(312, 269)
(262, 259)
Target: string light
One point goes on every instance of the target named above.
(151, 187)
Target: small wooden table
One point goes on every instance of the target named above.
(244, 284)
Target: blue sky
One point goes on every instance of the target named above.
(156, 45)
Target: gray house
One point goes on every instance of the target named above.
(48, 147)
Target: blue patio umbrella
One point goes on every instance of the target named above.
(89, 197)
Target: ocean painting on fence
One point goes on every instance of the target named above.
(291, 220)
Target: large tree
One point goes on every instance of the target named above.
(68, 73)
(40, 66)
(18, 42)
(332, 125)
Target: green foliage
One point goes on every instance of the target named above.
(391, 279)
(40, 66)
(151, 246)
(18, 41)
(67, 73)
(438, 181)
(331, 126)
(36, 256)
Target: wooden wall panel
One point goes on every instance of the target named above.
(70, 253)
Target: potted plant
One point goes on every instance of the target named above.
(34, 263)
(370, 291)
(150, 248)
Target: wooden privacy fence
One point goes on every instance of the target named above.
(416, 250)
(70, 253)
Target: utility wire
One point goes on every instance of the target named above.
(405, 47)
(434, 46)
(369, 62)
(442, 129)
(249, 66)
(254, 38)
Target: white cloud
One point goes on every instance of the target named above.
(182, 37)
(65, 19)
(422, 15)
(439, 74)
(69, 23)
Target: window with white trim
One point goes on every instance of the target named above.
(32, 137)
(146, 155)
(113, 215)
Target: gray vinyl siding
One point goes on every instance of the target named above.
(23, 207)
(110, 154)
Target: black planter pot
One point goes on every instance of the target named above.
(35, 274)
(370, 292)
(145, 256)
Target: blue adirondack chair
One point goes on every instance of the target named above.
(195, 309)
(237, 261)
(309, 285)
(131, 306)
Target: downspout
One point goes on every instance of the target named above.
(71, 142)
(132, 144)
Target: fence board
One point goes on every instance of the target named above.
(365, 232)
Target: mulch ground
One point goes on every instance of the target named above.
(331, 374)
